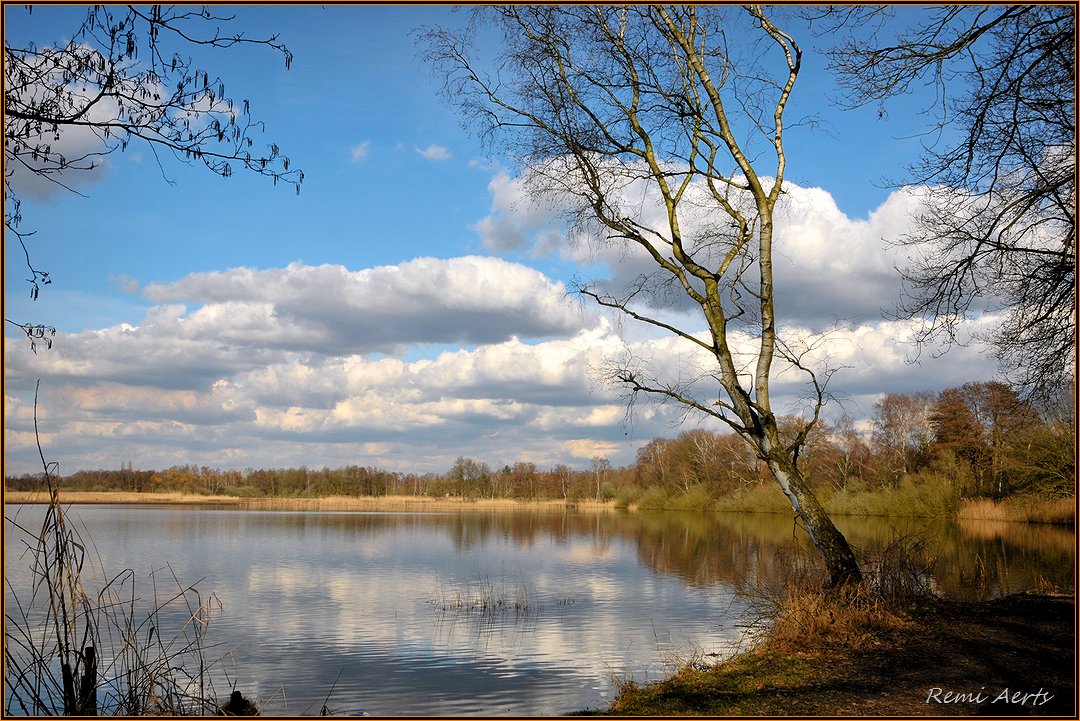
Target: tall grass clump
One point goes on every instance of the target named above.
(71, 648)
(654, 499)
(486, 598)
(799, 612)
(754, 498)
(697, 498)
(1033, 509)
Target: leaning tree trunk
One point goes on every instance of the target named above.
(834, 549)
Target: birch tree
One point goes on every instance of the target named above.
(661, 130)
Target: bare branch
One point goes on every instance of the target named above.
(117, 82)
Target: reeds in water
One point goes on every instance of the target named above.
(74, 649)
(485, 598)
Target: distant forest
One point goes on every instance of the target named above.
(979, 440)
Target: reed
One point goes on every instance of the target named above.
(487, 598)
(71, 648)
(1058, 511)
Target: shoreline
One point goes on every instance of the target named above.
(971, 510)
(1007, 656)
(327, 503)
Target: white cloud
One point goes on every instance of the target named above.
(360, 151)
(409, 366)
(828, 267)
(435, 152)
(590, 448)
(518, 220)
(330, 309)
(72, 142)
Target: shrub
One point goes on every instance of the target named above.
(925, 495)
(628, 496)
(654, 499)
(697, 498)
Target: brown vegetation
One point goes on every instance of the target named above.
(1016, 645)
(890, 647)
(1023, 509)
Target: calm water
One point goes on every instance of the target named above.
(375, 600)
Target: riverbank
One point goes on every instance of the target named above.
(1006, 657)
(761, 499)
(328, 503)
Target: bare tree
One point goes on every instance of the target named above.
(118, 81)
(998, 232)
(662, 136)
(600, 467)
(902, 432)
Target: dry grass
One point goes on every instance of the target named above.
(1019, 510)
(798, 611)
(328, 503)
(115, 497)
(855, 619)
(78, 646)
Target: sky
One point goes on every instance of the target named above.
(410, 305)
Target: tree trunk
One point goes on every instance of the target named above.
(834, 549)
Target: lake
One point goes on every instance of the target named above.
(524, 612)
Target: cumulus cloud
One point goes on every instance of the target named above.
(434, 152)
(125, 283)
(831, 267)
(77, 143)
(503, 402)
(517, 220)
(828, 266)
(330, 309)
(409, 366)
(192, 402)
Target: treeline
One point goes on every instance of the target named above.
(977, 440)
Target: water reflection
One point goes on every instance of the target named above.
(309, 596)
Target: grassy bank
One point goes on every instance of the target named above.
(870, 662)
(890, 647)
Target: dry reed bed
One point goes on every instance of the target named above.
(1020, 510)
(329, 503)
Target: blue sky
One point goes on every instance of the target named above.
(229, 323)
